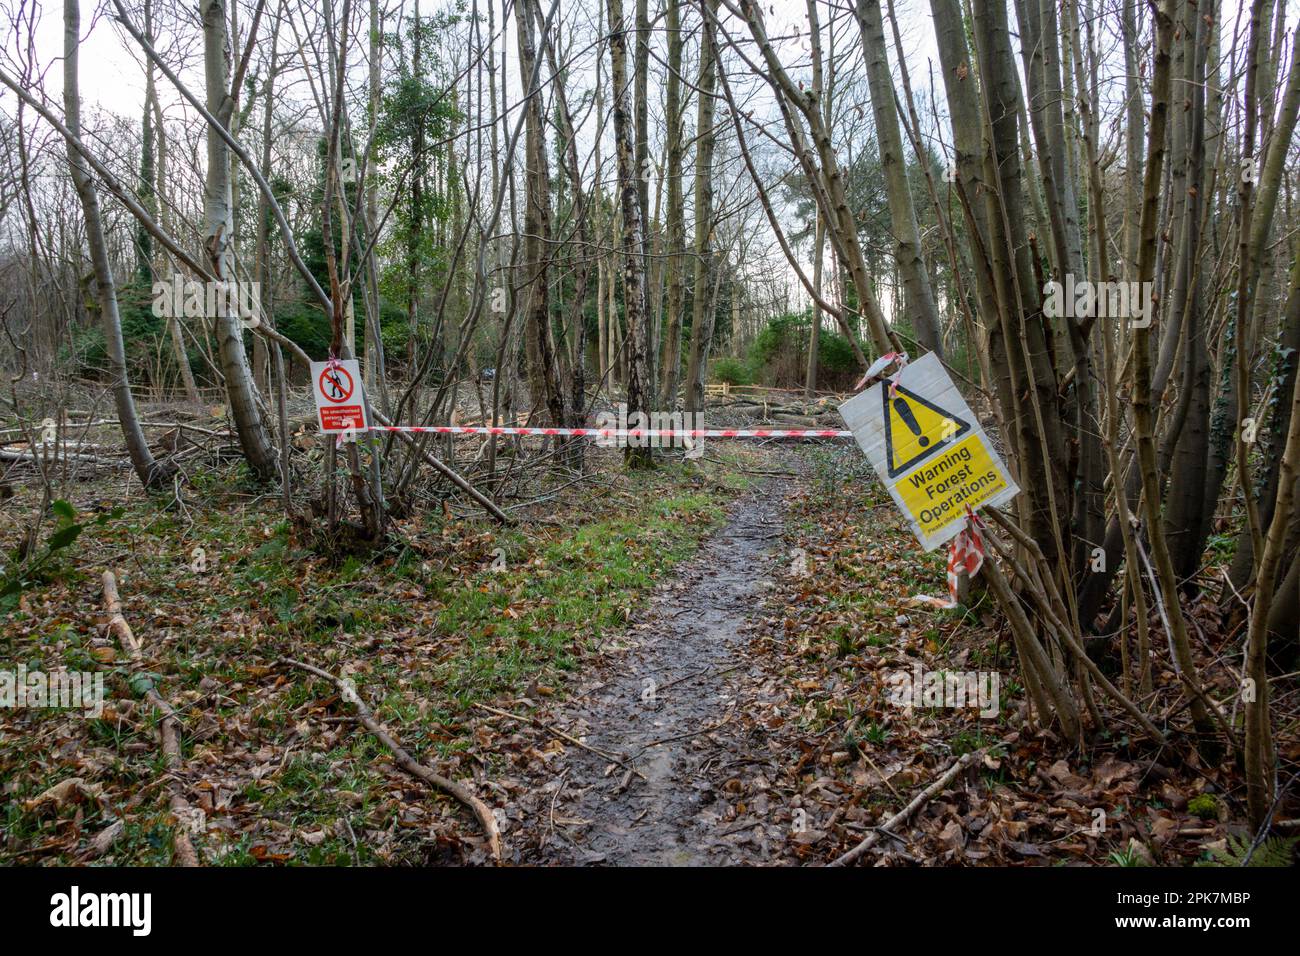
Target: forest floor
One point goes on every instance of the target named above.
(689, 665)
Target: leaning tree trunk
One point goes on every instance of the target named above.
(701, 312)
(634, 306)
(1143, 409)
(970, 147)
(1186, 509)
(920, 304)
(577, 410)
(1261, 773)
(641, 112)
(670, 362)
(1288, 362)
(543, 377)
(821, 168)
(1018, 341)
(164, 217)
(254, 438)
(151, 473)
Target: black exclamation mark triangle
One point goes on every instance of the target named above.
(905, 413)
(925, 445)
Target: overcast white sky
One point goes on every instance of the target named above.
(112, 77)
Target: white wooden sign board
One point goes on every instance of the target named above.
(929, 450)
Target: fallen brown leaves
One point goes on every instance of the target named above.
(848, 757)
(276, 766)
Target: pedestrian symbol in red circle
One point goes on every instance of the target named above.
(336, 384)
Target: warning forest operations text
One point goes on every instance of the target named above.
(929, 450)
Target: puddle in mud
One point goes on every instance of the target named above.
(655, 709)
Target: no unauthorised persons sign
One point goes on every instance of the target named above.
(929, 450)
(339, 396)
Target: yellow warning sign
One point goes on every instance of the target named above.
(965, 475)
(928, 448)
(916, 429)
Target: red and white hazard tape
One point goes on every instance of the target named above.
(879, 365)
(618, 432)
(965, 554)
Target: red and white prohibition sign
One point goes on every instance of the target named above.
(339, 405)
(336, 384)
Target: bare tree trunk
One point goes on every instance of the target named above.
(582, 218)
(824, 90)
(150, 472)
(1243, 562)
(174, 333)
(1041, 50)
(602, 319)
(921, 308)
(1143, 411)
(375, 372)
(219, 238)
(639, 387)
(1270, 183)
(1261, 773)
(1260, 769)
(814, 332)
(821, 168)
(543, 378)
(1241, 344)
(701, 313)
(1019, 341)
(671, 360)
(1134, 121)
(1185, 510)
(641, 108)
(262, 263)
(970, 147)
(603, 280)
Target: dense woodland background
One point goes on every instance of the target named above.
(523, 211)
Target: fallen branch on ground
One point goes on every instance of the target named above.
(405, 760)
(604, 754)
(169, 727)
(944, 779)
(55, 456)
(66, 427)
(447, 472)
(686, 736)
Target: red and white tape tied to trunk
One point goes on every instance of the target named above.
(333, 365)
(879, 365)
(965, 555)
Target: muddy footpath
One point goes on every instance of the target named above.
(638, 762)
